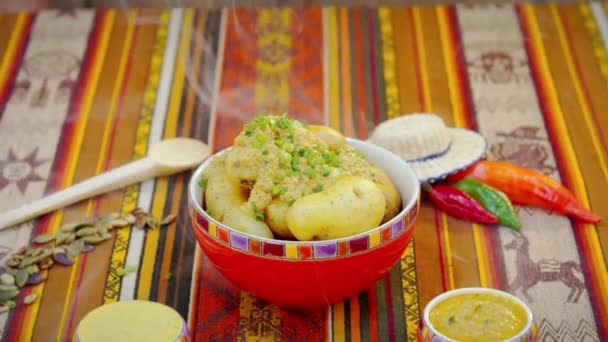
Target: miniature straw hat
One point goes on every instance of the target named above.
(433, 150)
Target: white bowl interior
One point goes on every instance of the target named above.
(456, 292)
(398, 170)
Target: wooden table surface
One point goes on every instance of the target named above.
(87, 90)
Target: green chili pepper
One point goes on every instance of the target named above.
(494, 201)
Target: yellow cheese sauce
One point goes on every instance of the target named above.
(478, 317)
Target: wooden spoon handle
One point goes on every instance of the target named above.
(117, 178)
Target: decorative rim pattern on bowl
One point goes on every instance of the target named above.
(303, 250)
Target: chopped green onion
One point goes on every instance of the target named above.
(283, 122)
(256, 213)
(290, 202)
(249, 132)
(295, 161)
(301, 152)
(317, 161)
(289, 147)
(286, 157)
(260, 138)
(202, 183)
(278, 177)
(317, 188)
(310, 173)
(279, 190)
(324, 172)
(279, 142)
(265, 152)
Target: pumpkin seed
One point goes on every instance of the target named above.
(93, 239)
(68, 227)
(75, 248)
(31, 269)
(44, 238)
(129, 218)
(4, 308)
(30, 251)
(63, 237)
(106, 236)
(168, 219)
(57, 250)
(118, 223)
(11, 304)
(31, 260)
(73, 227)
(4, 287)
(13, 262)
(45, 264)
(29, 299)
(63, 259)
(22, 250)
(10, 270)
(88, 248)
(102, 230)
(6, 295)
(86, 231)
(7, 279)
(105, 225)
(35, 278)
(21, 277)
(151, 223)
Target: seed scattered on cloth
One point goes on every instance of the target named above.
(27, 266)
(29, 299)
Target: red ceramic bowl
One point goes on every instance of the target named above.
(310, 274)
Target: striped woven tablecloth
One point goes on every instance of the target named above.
(83, 91)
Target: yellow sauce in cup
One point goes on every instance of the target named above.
(481, 316)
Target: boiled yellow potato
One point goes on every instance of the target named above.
(223, 194)
(244, 163)
(275, 217)
(350, 206)
(332, 137)
(240, 220)
(391, 194)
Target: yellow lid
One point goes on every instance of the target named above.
(131, 321)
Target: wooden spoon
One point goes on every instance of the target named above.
(164, 158)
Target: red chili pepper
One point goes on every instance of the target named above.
(527, 187)
(457, 203)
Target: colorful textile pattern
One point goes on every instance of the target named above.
(84, 91)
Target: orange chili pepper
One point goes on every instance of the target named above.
(527, 187)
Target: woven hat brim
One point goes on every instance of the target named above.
(467, 147)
